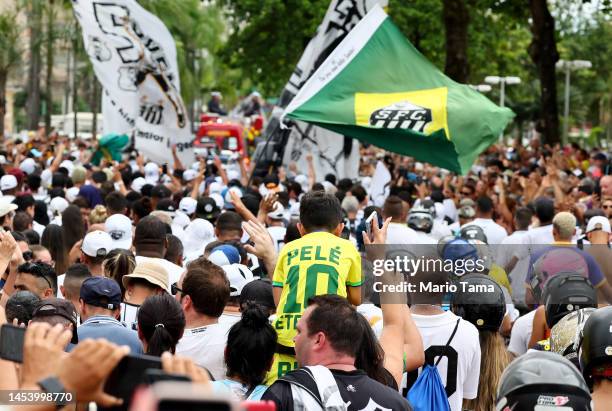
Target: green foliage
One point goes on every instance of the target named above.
(268, 37)
(10, 47)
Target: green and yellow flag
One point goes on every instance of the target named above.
(375, 86)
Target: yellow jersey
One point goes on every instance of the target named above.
(318, 263)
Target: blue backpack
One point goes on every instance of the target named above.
(428, 393)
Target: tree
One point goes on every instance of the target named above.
(543, 52)
(10, 56)
(50, 13)
(456, 21)
(268, 38)
(34, 14)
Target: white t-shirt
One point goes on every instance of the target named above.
(440, 230)
(230, 318)
(515, 245)
(541, 235)
(399, 233)
(494, 232)
(424, 238)
(206, 347)
(465, 347)
(374, 316)
(450, 209)
(278, 236)
(174, 271)
(521, 334)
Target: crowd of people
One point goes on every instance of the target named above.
(260, 288)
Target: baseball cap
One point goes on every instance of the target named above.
(227, 196)
(119, 228)
(151, 171)
(58, 306)
(6, 206)
(224, 254)
(28, 166)
(97, 244)
(189, 174)
(258, 292)
(598, 223)
(188, 205)
(198, 233)
(207, 208)
(215, 188)
(101, 292)
(72, 193)
(150, 271)
(68, 165)
(138, 183)
(278, 212)
(8, 182)
(238, 275)
(58, 205)
(181, 219)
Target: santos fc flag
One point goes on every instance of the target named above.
(375, 86)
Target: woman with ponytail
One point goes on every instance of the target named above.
(249, 354)
(161, 323)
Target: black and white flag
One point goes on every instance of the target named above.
(134, 58)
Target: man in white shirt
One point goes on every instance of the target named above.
(459, 367)
(484, 219)
(398, 231)
(150, 243)
(203, 292)
(542, 234)
(521, 334)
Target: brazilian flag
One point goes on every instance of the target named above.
(110, 147)
(375, 86)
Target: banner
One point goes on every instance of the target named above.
(375, 86)
(332, 152)
(134, 58)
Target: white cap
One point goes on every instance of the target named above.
(215, 187)
(138, 183)
(97, 244)
(188, 205)
(329, 187)
(238, 275)
(8, 182)
(233, 174)
(278, 212)
(68, 165)
(28, 165)
(151, 171)
(228, 193)
(218, 199)
(598, 223)
(181, 220)
(72, 193)
(58, 205)
(215, 94)
(255, 94)
(189, 174)
(197, 234)
(119, 228)
(6, 206)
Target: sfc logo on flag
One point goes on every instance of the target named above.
(404, 115)
(422, 111)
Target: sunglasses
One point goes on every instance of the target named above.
(465, 194)
(174, 289)
(605, 207)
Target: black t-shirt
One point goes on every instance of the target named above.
(356, 388)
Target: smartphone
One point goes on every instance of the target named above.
(369, 220)
(11, 343)
(153, 375)
(181, 396)
(165, 168)
(129, 374)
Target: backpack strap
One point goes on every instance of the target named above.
(449, 341)
(327, 387)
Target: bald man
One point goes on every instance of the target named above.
(606, 186)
